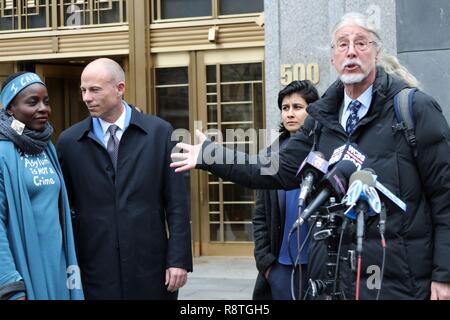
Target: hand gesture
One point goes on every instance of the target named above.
(188, 159)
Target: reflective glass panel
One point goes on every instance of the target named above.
(240, 6)
(238, 232)
(172, 9)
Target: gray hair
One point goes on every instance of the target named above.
(388, 62)
(392, 66)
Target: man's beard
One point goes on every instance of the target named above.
(352, 78)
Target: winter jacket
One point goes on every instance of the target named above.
(268, 225)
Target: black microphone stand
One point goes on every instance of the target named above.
(331, 221)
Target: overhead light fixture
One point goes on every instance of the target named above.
(212, 33)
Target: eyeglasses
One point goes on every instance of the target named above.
(360, 45)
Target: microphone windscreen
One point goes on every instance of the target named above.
(370, 170)
(339, 176)
(364, 176)
(345, 167)
(320, 154)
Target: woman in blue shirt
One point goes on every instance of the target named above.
(276, 210)
(37, 254)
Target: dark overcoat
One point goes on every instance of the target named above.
(120, 219)
(268, 228)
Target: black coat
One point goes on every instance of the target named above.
(268, 228)
(419, 240)
(122, 243)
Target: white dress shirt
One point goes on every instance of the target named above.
(120, 123)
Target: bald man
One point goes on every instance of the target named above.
(123, 194)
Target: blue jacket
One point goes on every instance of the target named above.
(20, 255)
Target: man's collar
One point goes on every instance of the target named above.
(365, 98)
(138, 119)
(93, 125)
(120, 122)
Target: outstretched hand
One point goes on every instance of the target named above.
(188, 159)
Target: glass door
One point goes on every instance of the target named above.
(217, 92)
(231, 105)
(174, 101)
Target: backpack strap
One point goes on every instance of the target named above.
(403, 108)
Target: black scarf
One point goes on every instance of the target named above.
(30, 141)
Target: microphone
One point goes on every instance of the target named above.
(311, 170)
(363, 200)
(362, 192)
(334, 183)
(348, 152)
(388, 194)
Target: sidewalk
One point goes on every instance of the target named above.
(220, 278)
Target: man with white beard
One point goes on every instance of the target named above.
(358, 109)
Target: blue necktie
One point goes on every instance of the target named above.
(353, 118)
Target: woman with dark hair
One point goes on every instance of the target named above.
(276, 210)
(37, 253)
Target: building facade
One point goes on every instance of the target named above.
(197, 64)
(423, 45)
(212, 65)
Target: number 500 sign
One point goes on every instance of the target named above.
(299, 71)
